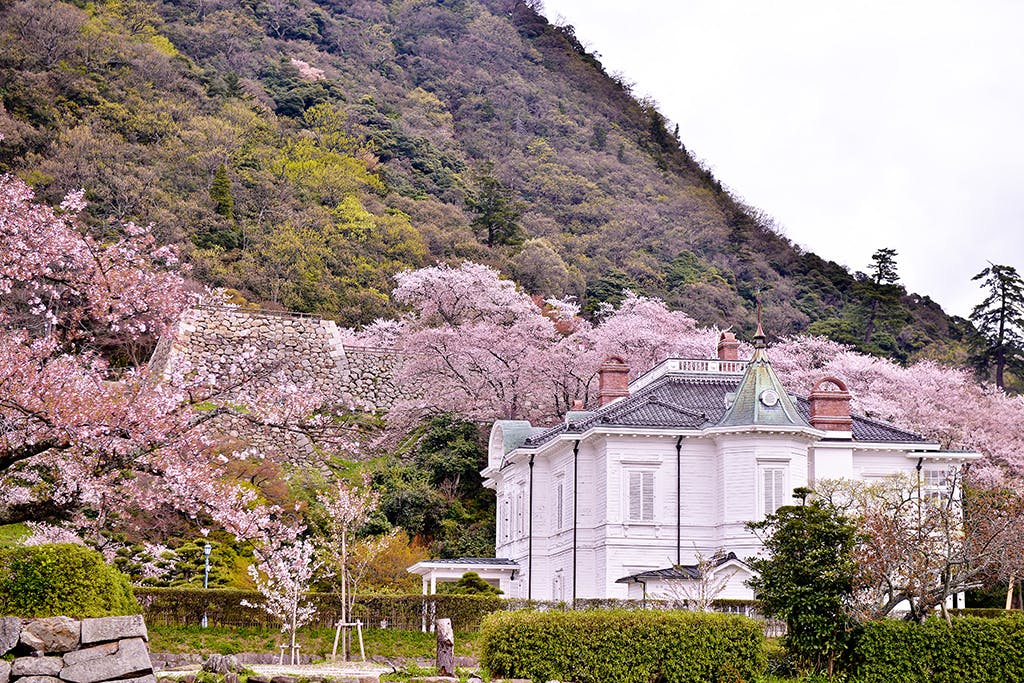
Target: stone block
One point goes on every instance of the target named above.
(5, 671)
(10, 632)
(39, 679)
(221, 664)
(148, 678)
(36, 666)
(283, 679)
(131, 659)
(52, 634)
(85, 654)
(107, 629)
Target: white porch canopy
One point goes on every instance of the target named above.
(497, 571)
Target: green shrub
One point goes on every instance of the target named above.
(622, 647)
(969, 649)
(223, 607)
(50, 580)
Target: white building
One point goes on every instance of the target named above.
(614, 502)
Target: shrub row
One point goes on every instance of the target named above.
(49, 580)
(618, 646)
(183, 606)
(969, 649)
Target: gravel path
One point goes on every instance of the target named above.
(363, 672)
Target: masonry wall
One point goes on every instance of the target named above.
(300, 349)
(61, 649)
(304, 350)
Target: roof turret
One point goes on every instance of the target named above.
(760, 398)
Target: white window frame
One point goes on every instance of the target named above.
(559, 506)
(504, 519)
(646, 488)
(781, 491)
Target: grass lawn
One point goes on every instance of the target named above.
(391, 644)
(11, 534)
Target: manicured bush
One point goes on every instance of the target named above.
(184, 606)
(969, 649)
(622, 647)
(62, 579)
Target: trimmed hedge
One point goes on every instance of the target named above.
(62, 579)
(622, 647)
(970, 649)
(184, 606)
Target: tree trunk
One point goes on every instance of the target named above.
(344, 594)
(445, 648)
(1009, 594)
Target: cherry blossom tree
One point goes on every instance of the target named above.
(922, 542)
(283, 576)
(941, 403)
(476, 346)
(347, 508)
(82, 424)
(473, 345)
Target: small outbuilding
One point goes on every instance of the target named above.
(497, 571)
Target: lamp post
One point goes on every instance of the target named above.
(206, 574)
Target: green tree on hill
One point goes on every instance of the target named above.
(880, 293)
(999, 319)
(497, 211)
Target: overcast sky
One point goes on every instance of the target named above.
(857, 125)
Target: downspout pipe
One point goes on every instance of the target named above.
(575, 507)
(529, 538)
(679, 500)
(643, 586)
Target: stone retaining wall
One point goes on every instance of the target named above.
(305, 350)
(61, 649)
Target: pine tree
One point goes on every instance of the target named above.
(880, 290)
(497, 212)
(220, 193)
(999, 319)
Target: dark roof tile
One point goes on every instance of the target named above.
(694, 401)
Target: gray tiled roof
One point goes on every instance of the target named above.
(679, 571)
(500, 561)
(693, 402)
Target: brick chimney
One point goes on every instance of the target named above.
(830, 405)
(612, 380)
(728, 347)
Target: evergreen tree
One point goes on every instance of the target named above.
(883, 267)
(999, 319)
(220, 193)
(881, 290)
(807, 578)
(472, 584)
(497, 211)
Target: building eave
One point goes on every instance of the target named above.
(810, 433)
(945, 456)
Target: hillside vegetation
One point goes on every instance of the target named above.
(303, 152)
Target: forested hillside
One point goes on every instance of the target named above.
(304, 152)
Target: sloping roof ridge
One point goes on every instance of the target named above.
(676, 407)
(639, 399)
(873, 420)
(680, 571)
